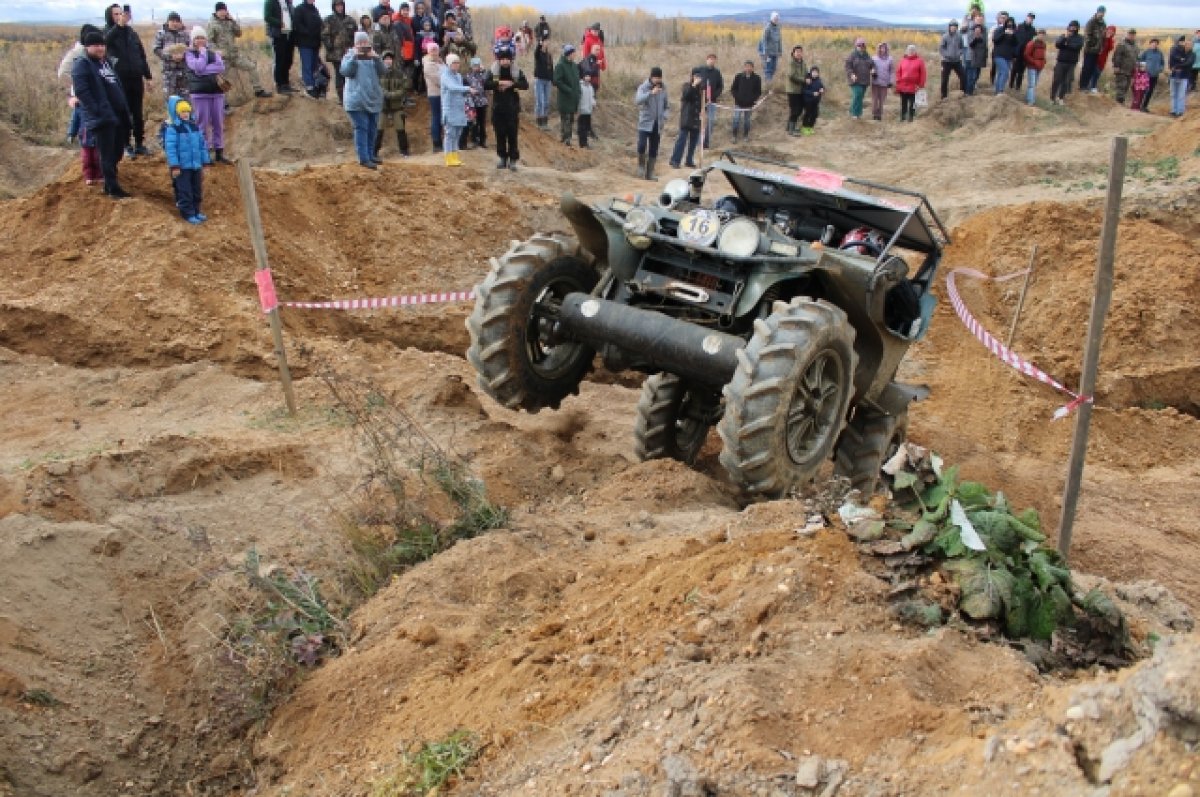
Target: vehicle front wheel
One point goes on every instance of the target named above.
(516, 347)
(869, 440)
(787, 401)
(673, 419)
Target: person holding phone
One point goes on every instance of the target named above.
(363, 96)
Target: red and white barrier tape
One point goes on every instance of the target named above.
(268, 300)
(1001, 351)
(382, 302)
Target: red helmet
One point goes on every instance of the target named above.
(874, 240)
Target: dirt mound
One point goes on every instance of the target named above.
(1003, 114)
(79, 293)
(289, 130)
(26, 167)
(722, 652)
(294, 131)
(1180, 139)
(1152, 299)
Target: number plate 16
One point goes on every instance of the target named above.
(699, 227)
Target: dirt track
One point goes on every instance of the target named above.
(632, 628)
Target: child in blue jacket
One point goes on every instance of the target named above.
(187, 155)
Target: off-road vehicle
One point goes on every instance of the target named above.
(778, 312)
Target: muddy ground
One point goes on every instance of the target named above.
(632, 629)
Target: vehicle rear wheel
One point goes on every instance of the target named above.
(787, 401)
(673, 420)
(516, 347)
(869, 440)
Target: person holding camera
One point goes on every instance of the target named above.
(363, 96)
(455, 95)
(689, 121)
(205, 71)
(651, 101)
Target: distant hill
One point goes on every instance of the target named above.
(801, 16)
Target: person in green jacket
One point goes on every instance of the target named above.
(566, 80)
(797, 74)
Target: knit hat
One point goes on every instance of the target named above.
(953, 23)
(183, 105)
(655, 71)
(221, 7)
(1132, 32)
(174, 17)
(86, 29)
(199, 32)
(568, 49)
(93, 37)
(1101, 9)
(452, 59)
(361, 37)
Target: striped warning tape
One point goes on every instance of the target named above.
(1005, 354)
(268, 300)
(382, 302)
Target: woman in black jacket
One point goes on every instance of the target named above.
(128, 57)
(1004, 52)
(103, 108)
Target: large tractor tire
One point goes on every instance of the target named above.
(786, 404)
(514, 349)
(672, 420)
(868, 441)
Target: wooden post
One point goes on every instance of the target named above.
(259, 242)
(1095, 333)
(1012, 331)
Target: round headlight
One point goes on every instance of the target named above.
(673, 192)
(640, 221)
(738, 238)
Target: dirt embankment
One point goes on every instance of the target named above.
(632, 630)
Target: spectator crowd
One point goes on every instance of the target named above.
(379, 65)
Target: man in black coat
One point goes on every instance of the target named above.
(128, 57)
(1026, 32)
(504, 80)
(747, 88)
(306, 33)
(102, 103)
(712, 84)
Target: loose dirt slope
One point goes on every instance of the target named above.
(633, 630)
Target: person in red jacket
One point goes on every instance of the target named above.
(1035, 62)
(1110, 42)
(910, 76)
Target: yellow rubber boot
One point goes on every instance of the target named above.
(457, 158)
(449, 157)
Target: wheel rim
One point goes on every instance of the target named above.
(548, 358)
(812, 414)
(689, 431)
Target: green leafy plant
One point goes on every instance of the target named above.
(432, 767)
(997, 557)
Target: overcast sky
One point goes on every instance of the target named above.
(1157, 13)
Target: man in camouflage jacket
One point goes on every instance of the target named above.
(223, 33)
(170, 43)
